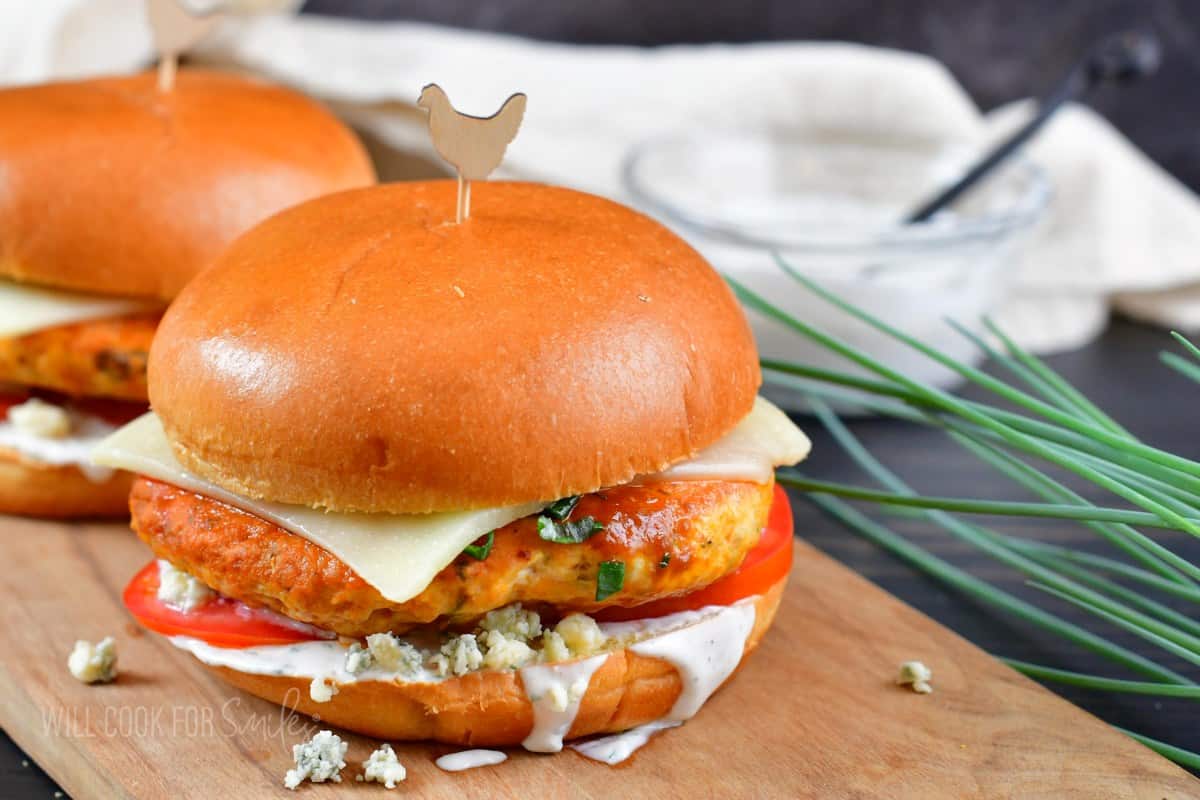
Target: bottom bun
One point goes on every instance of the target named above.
(60, 492)
(490, 707)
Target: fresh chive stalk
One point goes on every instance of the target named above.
(568, 531)
(481, 551)
(1048, 422)
(609, 579)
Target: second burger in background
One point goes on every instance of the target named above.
(116, 193)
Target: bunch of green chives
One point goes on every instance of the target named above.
(1053, 424)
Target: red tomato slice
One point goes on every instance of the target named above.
(763, 567)
(222, 621)
(7, 401)
(114, 412)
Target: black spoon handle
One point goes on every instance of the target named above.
(1121, 58)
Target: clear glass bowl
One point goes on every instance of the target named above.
(830, 207)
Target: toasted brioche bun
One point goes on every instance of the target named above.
(111, 186)
(490, 707)
(60, 492)
(361, 352)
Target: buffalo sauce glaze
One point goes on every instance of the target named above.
(636, 517)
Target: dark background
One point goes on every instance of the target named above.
(1000, 51)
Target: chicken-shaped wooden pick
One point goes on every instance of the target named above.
(175, 30)
(474, 145)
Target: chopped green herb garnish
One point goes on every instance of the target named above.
(481, 551)
(610, 578)
(666, 559)
(561, 509)
(569, 532)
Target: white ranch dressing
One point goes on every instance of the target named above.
(705, 646)
(470, 759)
(325, 660)
(705, 654)
(556, 691)
(73, 450)
(614, 749)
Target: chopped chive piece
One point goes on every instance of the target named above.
(666, 559)
(569, 532)
(610, 578)
(561, 509)
(481, 551)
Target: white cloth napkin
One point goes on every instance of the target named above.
(1121, 232)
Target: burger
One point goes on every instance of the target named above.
(113, 195)
(507, 482)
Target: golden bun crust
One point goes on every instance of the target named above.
(490, 708)
(361, 352)
(113, 187)
(43, 490)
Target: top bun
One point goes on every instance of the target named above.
(113, 187)
(361, 352)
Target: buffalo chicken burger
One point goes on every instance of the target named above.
(113, 195)
(498, 483)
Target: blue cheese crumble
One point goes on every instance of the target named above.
(382, 766)
(389, 652)
(459, 655)
(514, 622)
(322, 689)
(179, 590)
(916, 675)
(322, 758)
(94, 663)
(508, 638)
(505, 638)
(581, 634)
(39, 418)
(358, 659)
(505, 653)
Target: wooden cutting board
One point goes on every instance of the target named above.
(813, 714)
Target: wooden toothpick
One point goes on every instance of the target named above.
(473, 145)
(175, 30)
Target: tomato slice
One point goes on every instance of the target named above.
(8, 400)
(763, 567)
(114, 412)
(222, 621)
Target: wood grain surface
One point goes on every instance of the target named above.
(813, 714)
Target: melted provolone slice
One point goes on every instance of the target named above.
(765, 439)
(400, 554)
(25, 309)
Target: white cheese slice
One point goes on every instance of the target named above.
(400, 554)
(25, 309)
(765, 439)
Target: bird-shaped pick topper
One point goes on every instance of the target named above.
(175, 30)
(474, 145)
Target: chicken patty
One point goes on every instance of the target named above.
(673, 538)
(95, 358)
